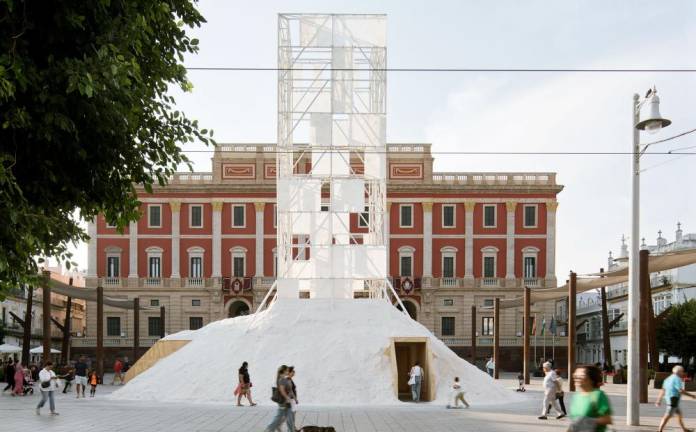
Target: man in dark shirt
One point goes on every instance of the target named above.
(9, 376)
(81, 376)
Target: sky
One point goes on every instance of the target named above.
(544, 112)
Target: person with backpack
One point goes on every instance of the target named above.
(672, 390)
(590, 409)
(282, 395)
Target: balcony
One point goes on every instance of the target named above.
(532, 282)
(112, 341)
(559, 341)
(449, 282)
(114, 281)
(195, 282)
(497, 179)
(617, 292)
(489, 282)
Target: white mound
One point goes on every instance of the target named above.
(340, 349)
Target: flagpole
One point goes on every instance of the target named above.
(535, 342)
(553, 341)
(543, 332)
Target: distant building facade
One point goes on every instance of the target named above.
(205, 247)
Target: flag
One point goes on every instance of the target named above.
(543, 325)
(552, 326)
(534, 325)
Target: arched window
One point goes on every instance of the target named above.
(406, 261)
(489, 260)
(196, 255)
(238, 254)
(448, 261)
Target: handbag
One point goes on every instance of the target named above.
(412, 380)
(238, 389)
(276, 396)
(45, 384)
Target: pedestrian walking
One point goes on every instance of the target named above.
(550, 388)
(118, 368)
(415, 381)
(457, 394)
(290, 418)
(672, 390)
(93, 380)
(244, 387)
(19, 380)
(490, 366)
(281, 395)
(48, 385)
(590, 409)
(560, 394)
(80, 377)
(9, 376)
(69, 377)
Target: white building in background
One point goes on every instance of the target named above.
(668, 287)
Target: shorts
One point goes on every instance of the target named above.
(672, 410)
(80, 380)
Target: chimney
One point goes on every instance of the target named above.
(678, 234)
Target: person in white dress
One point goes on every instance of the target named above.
(48, 384)
(415, 381)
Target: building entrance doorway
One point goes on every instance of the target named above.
(238, 308)
(406, 354)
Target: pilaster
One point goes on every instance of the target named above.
(387, 234)
(510, 243)
(551, 242)
(92, 249)
(133, 252)
(176, 221)
(427, 239)
(469, 243)
(217, 239)
(259, 206)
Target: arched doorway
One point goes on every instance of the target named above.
(410, 309)
(238, 308)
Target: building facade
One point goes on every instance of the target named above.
(15, 305)
(205, 246)
(667, 287)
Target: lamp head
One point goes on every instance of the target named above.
(650, 119)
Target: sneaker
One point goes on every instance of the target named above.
(542, 417)
(560, 416)
(54, 413)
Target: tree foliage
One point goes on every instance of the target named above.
(676, 334)
(85, 113)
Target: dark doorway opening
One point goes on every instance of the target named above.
(410, 309)
(407, 354)
(238, 308)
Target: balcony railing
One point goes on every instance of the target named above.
(449, 282)
(152, 282)
(532, 282)
(495, 179)
(112, 281)
(504, 341)
(617, 292)
(112, 341)
(195, 282)
(489, 282)
(192, 178)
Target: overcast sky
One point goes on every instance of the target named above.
(495, 111)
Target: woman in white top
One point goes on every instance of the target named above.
(48, 383)
(415, 380)
(457, 394)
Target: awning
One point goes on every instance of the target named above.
(39, 350)
(656, 263)
(9, 349)
(90, 294)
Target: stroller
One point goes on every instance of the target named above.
(28, 385)
(520, 380)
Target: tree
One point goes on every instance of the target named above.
(676, 334)
(85, 114)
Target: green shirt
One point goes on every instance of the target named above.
(594, 404)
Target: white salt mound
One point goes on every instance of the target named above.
(340, 350)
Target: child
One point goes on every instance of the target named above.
(93, 383)
(520, 380)
(458, 394)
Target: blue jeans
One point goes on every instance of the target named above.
(281, 415)
(290, 419)
(416, 389)
(47, 395)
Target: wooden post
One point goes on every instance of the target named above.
(473, 335)
(162, 326)
(136, 328)
(65, 347)
(496, 338)
(26, 335)
(572, 291)
(100, 332)
(527, 328)
(46, 290)
(644, 285)
(606, 340)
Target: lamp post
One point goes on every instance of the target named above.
(650, 122)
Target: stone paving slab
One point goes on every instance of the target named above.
(102, 414)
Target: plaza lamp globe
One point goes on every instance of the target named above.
(651, 120)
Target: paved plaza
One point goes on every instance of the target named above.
(102, 414)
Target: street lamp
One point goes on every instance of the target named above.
(650, 121)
